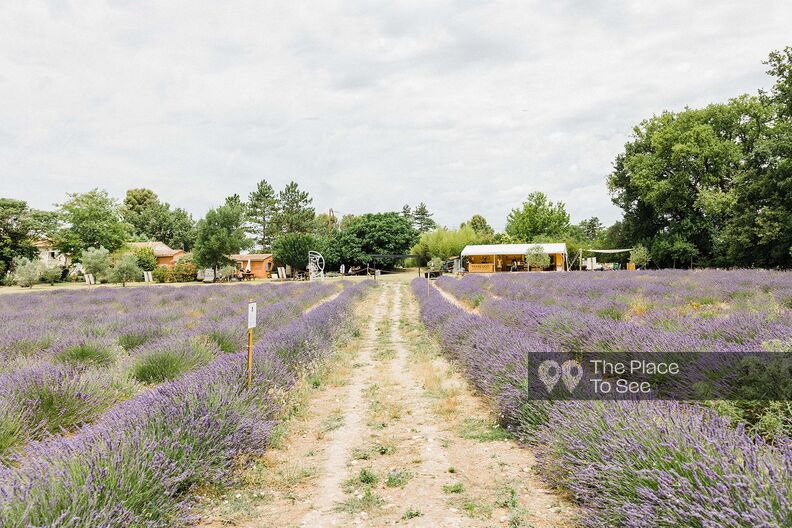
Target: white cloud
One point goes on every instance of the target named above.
(465, 105)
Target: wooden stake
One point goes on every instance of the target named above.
(250, 357)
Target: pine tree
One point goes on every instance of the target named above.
(262, 207)
(422, 218)
(295, 214)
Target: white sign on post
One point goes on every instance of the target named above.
(251, 315)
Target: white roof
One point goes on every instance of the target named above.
(512, 249)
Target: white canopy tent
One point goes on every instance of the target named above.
(494, 250)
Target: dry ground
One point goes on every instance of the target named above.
(388, 434)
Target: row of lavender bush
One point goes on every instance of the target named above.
(634, 464)
(85, 369)
(656, 312)
(136, 465)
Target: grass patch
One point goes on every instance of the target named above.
(365, 501)
(331, 423)
(171, 361)
(398, 478)
(476, 510)
(456, 487)
(482, 430)
(86, 354)
(411, 513)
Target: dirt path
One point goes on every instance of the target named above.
(392, 435)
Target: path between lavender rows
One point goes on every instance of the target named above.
(392, 435)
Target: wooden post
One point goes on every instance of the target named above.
(251, 326)
(250, 357)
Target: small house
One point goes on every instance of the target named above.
(494, 258)
(49, 255)
(259, 264)
(165, 255)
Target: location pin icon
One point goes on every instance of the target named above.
(571, 372)
(549, 373)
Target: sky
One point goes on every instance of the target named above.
(466, 105)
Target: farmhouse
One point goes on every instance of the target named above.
(493, 258)
(259, 264)
(49, 255)
(165, 255)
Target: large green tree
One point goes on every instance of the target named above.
(92, 219)
(19, 227)
(219, 234)
(713, 186)
(537, 218)
(293, 248)
(295, 213)
(154, 220)
(262, 206)
(383, 233)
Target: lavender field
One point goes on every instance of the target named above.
(115, 403)
(639, 463)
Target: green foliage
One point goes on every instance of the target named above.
(162, 274)
(479, 224)
(482, 430)
(154, 220)
(185, 270)
(382, 233)
(639, 256)
(52, 274)
(220, 234)
(422, 218)
(94, 220)
(538, 217)
(17, 232)
(292, 249)
(126, 269)
(96, 261)
(398, 478)
(443, 243)
(262, 207)
(164, 364)
(536, 258)
(27, 272)
(226, 272)
(146, 259)
(713, 185)
(294, 213)
(86, 354)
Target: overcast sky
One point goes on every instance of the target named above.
(366, 105)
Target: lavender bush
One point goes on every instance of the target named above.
(136, 465)
(638, 464)
(107, 336)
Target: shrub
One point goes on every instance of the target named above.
(162, 274)
(226, 272)
(27, 272)
(126, 270)
(57, 398)
(146, 259)
(639, 256)
(184, 270)
(96, 262)
(86, 354)
(52, 274)
(169, 360)
(537, 258)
